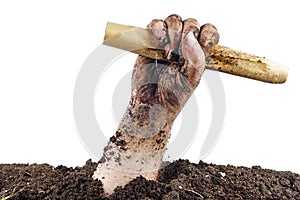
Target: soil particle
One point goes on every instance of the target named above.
(178, 180)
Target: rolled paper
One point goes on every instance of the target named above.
(220, 58)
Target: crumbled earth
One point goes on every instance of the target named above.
(178, 180)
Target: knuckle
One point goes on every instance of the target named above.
(174, 22)
(191, 25)
(159, 30)
(208, 37)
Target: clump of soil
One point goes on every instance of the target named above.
(178, 180)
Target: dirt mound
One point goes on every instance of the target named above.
(178, 180)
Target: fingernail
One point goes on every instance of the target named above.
(190, 34)
(190, 39)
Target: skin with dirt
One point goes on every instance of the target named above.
(159, 91)
(178, 180)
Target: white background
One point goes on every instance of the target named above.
(44, 43)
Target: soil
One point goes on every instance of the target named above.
(178, 180)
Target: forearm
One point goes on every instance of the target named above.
(136, 148)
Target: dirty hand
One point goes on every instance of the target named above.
(159, 91)
(170, 84)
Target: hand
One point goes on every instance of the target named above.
(170, 84)
(159, 91)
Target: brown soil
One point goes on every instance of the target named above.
(179, 180)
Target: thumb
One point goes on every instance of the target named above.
(194, 57)
(192, 51)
